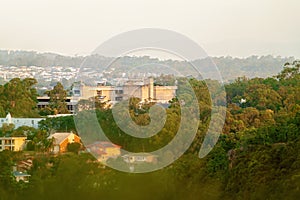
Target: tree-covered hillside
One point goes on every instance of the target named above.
(256, 157)
(230, 68)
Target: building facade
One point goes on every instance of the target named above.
(21, 176)
(61, 141)
(103, 150)
(12, 143)
(143, 89)
(43, 101)
(140, 158)
(18, 122)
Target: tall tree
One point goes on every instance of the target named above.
(57, 101)
(19, 98)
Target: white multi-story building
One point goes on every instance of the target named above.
(31, 122)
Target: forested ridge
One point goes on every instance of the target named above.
(256, 157)
(229, 67)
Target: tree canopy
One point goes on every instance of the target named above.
(19, 97)
(57, 103)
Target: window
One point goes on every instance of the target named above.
(99, 92)
(140, 158)
(119, 91)
(76, 91)
(119, 98)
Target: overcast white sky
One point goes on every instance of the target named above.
(222, 27)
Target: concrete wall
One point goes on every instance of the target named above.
(164, 93)
(143, 90)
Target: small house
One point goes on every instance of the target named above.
(12, 143)
(104, 150)
(61, 141)
(140, 158)
(21, 176)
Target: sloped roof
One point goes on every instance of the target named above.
(103, 144)
(59, 137)
(17, 173)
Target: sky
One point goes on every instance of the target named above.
(238, 28)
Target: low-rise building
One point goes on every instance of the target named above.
(21, 176)
(25, 165)
(61, 141)
(143, 89)
(12, 143)
(18, 122)
(103, 150)
(140, 158)
(43, 102)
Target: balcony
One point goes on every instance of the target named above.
(9, 142)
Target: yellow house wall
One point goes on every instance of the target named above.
(19, 144)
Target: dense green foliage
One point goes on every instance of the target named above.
(60, 124)
(256, 157)
(57, 102)
(19, 98)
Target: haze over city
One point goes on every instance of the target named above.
(235, 28)
(117, 99)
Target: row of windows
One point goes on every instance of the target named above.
(32, 121)
(7, 142)
(7, 148)
(100, 92)
(119, 91)
(76, 91)
(119, 98)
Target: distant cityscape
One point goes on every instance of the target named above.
(48, 74)
(49, 68)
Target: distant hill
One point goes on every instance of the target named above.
(230, 68)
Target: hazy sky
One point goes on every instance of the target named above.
(222, 27)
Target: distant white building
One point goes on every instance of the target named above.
(18, 122)
(140, 157)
